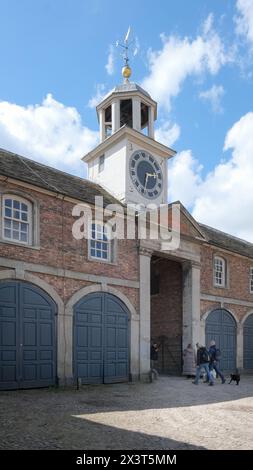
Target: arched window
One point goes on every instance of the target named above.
(16, 219)
(219, 272)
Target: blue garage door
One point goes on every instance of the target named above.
(221, 327)
(101, 339)
(248, 343)
(27, 336)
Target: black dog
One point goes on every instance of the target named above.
(236, 377)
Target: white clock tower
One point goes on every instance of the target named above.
(129, 162)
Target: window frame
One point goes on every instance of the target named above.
(109, 242)
(251, 280)
(223, 272)
(29, 222)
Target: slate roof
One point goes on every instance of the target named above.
(24, 169)
(129, 87)
(226, 241)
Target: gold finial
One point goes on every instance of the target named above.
(126, 70)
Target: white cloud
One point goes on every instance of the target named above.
(224, 199)
(213, 95)
(184, 178)
(180, 58)
(244, 21)
(99, 95)
(110, 61)
(167, 133)
(49, 132)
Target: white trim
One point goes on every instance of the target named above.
(205, 315)
(223, 271)
(108, 242)
(225, 300)
(61, 324)
(28, 222)
(100, 288)
(35, 226)
(246, 316)
(134, 324)
(60, 272)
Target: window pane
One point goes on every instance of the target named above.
(24, 216)
(24, 227)
(8, 202)
(7, 223)
(16, 215)
(16, 204)
(23, 237)
(15, 235)
(98, 254)
(16, 225)
(93, 252)
(24, 207)
(7, 212)
(104, 255)
(99, 245)
(92, 243)
(7, 233)
(104, 246)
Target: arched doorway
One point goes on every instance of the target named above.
(101, 339)
(221, 326)
(27, 336)
(248, 343)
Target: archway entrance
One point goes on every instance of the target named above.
(27, 336)
(221, 326)
(101, 339)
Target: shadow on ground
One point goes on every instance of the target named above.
(119, 416)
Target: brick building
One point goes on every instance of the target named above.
(76, 309)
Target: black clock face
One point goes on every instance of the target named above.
(146, 174)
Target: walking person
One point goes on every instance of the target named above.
(215, 356)
(154, 358)
(189, 362)
(202, 363)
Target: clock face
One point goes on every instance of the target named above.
(146, 174)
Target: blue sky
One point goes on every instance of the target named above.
(195, 58)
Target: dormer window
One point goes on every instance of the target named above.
(219, 272)
(17, 220)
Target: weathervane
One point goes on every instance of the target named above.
(126, 70)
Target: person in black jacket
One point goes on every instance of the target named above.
(214, 361)
(202, 363)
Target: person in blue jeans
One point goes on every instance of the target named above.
(202, 363)
(214, 360)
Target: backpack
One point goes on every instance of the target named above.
(217, 355)
(204, 356)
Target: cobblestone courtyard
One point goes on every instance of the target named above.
(170, 413)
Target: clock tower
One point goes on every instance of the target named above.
(128, 162)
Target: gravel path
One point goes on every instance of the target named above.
(170, 413)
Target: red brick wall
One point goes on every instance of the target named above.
(59, 249)
(238, 269)
(238, 311)
(67, 287)
(166, 315)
